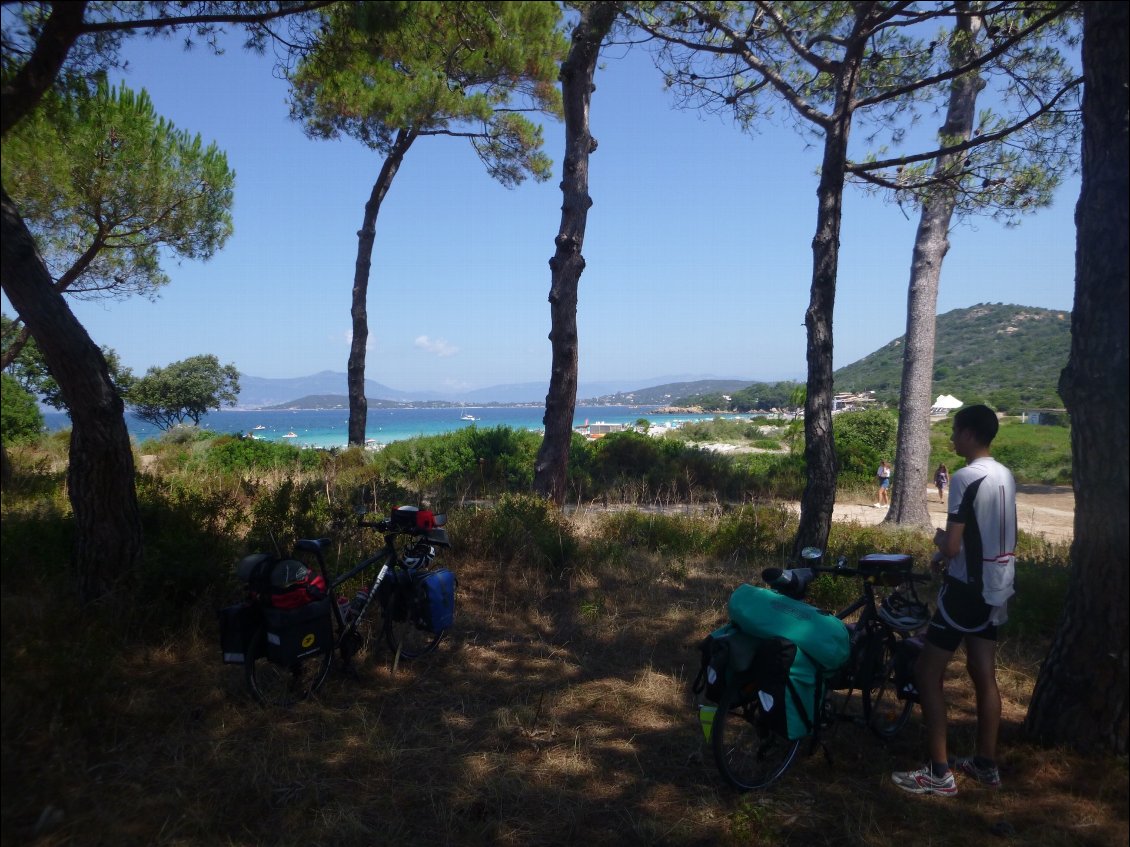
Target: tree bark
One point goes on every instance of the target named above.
(23, 92)
(100, 477)
(1080, 697)
(366, 236)
(62, 284)
(931, 243)
(567, 264)
(819, 497)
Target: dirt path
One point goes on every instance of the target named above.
(1046, 510)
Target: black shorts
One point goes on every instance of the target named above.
(961, 612)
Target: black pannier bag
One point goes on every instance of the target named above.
(788, 703)
(293, 634)
(237, 625)
(725, 655)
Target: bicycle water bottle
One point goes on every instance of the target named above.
(359, 600)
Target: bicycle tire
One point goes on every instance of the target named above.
(884, 713)
(277, 685)
(748, 753)
(404, 636)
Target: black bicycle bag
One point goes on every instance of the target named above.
(293, 634)
(725, 655)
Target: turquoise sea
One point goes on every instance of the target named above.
(330, 427)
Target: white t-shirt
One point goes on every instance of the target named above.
(983, 499)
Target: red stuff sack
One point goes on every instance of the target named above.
(413, 517)
(293, 585)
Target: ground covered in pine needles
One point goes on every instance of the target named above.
(557, 712)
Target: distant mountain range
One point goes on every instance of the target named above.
(1007, 356)
(327, 390)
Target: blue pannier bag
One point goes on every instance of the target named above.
(435, 593)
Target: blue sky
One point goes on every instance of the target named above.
(698, 247)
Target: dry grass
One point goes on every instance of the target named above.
(557, 712)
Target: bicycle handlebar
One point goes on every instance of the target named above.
(792, 582)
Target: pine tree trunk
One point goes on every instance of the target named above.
(819, 497)
(912, 459)
(366, 236)
(567, 264)
(100, 477)
(1080, 697)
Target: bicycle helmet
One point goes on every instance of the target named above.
(903, 613)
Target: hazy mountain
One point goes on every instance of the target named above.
(257, 392)
(328, 390)
(672, 393)
(1007, 356)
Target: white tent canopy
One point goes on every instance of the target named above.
(947, 401)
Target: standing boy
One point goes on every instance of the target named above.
(977, 550)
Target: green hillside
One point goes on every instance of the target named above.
(683, 393)
(1007, 356)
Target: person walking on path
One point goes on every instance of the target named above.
(977, 552)
(883, 475)
(941, 480)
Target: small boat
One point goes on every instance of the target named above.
(291, 435)
(260, 426)
(466, 417)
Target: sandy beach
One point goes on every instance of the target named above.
(1045, 510)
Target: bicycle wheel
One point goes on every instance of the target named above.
(883, 711)
(279, 685)
(403, 631)
(750, 755)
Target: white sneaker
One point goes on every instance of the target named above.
(877, 506)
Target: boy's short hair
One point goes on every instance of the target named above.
(980, 420)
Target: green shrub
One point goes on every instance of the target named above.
(520, 528)
(185, 434)
(671, 534)
(754, 532)
(473, 461)
(20, 418)
(1039, 455)
(295, 508)
(38, 539)
(1041, 592)
(238, 455)
(193, 536)
(863, 439)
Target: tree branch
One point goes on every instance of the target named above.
(976, 141)
(38, 74)
(1003, 47)
(192, 20)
